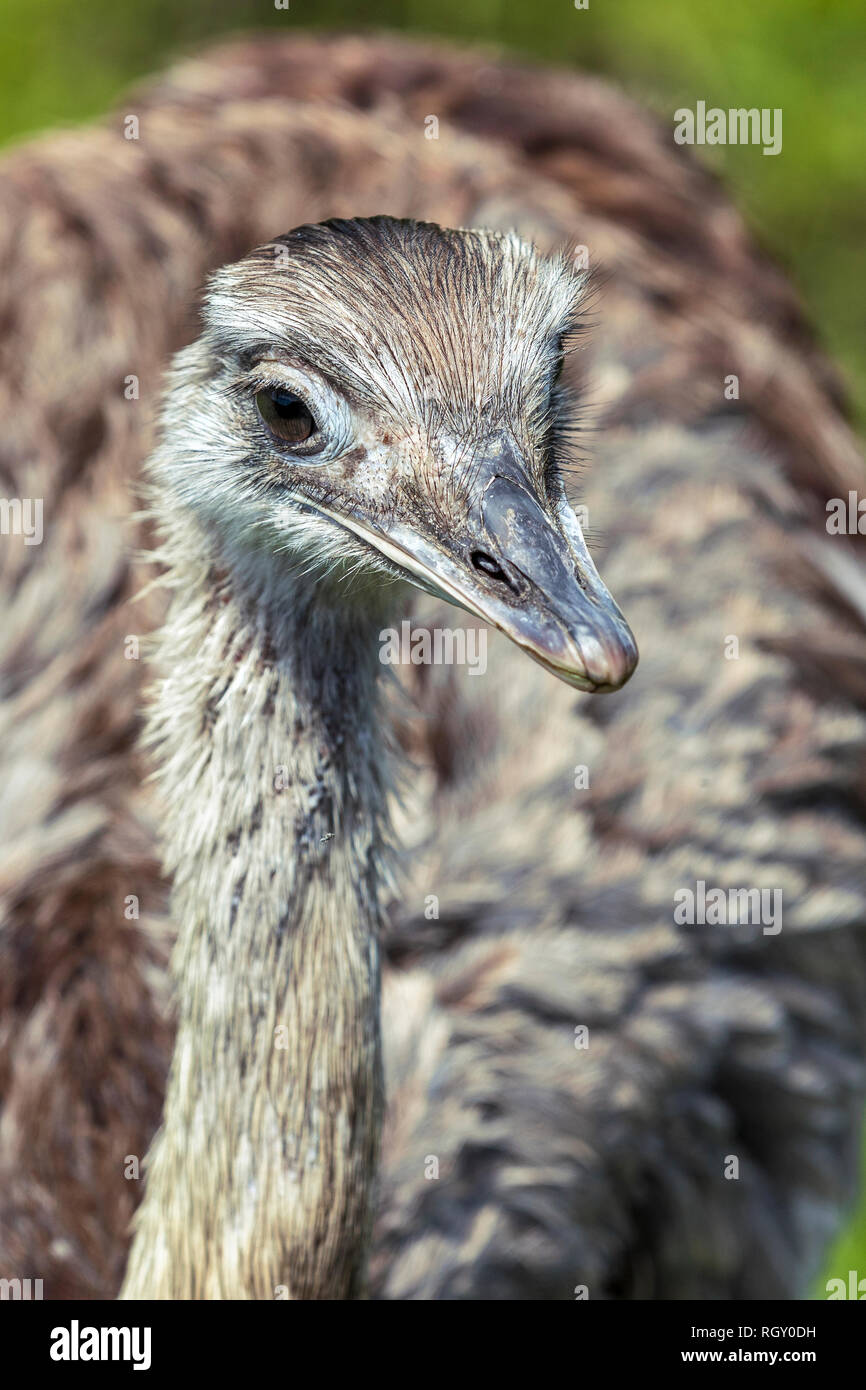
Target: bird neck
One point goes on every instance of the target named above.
(259, 1184)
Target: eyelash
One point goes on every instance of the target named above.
(251, 383)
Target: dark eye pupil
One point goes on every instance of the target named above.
(286, 416)
(290, 408)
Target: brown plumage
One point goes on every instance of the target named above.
(557, 1167)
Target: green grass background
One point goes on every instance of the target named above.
(62, 63)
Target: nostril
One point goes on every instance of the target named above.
(480, 560)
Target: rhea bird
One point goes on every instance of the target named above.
(371, 402)
(581, 1092)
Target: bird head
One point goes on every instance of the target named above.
(378, 400)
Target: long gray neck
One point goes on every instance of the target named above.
(259, 1183)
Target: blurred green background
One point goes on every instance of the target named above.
(62, 63)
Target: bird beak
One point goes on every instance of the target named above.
(524, 571)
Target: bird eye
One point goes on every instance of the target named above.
(288, 417)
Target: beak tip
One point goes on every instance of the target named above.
(608, 659)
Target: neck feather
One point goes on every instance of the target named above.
(259, 1182)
